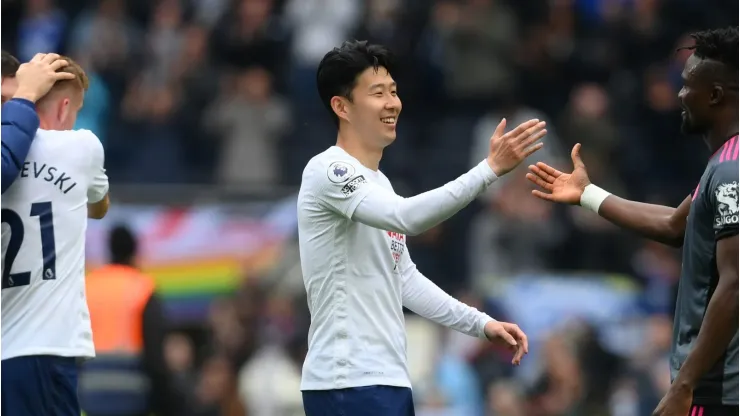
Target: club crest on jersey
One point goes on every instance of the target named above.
(340, 172)
(727, 204)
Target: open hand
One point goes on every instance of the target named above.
(36, 77)
(508, 150)
(508, 335)
(561, 187)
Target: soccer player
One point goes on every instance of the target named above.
(704, 359)
(46, 324)
(352, 231)
(25, 84)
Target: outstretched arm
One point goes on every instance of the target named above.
(337, 187)
(657, 222)
(383, 209)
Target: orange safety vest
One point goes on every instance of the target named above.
(116, 296)
(114, 382)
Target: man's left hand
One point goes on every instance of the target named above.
(510, 336)
(677, 402)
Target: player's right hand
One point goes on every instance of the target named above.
(561, 187)
(36, 77)
(508, 150)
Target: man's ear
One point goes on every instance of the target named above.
(717, 94)
(341, 107)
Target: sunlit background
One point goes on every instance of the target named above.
(208, 112)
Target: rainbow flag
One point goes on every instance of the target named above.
(199, 253)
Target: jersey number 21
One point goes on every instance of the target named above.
(48, 250)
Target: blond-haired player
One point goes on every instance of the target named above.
(22, 86)
(46, 324)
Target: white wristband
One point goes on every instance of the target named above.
(592, 197)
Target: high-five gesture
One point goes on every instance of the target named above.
(508, 150)
(561, 187)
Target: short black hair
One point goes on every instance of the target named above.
(122, 245)
(9, 65)
(338, 70)
(720, 45)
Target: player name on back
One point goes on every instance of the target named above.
(48, 173)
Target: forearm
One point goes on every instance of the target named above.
(655, 222)
(719, 326)
(19, 125)
(426, 299)
(97, 210)
(412, 216)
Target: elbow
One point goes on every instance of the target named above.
(7, 178)
(407, 230)
(732, 285)
(727, 292)
(675, 241)
(413, 231)
(673, 233)
(96, 215)
(402, 222)
(414, 228)
(98, 210)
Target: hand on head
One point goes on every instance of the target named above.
(36, 77)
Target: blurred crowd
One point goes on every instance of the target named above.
(222, 93)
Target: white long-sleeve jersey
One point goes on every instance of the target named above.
(359, 275)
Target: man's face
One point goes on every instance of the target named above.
(375, 106)
(695, 98)
(9, 86)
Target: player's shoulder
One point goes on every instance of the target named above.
(70, 135)
(332, 166)
(726, 155)
(77, 139)
(383, 180)
(722, 175)
(724, 169)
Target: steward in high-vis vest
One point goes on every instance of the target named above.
(128, 376)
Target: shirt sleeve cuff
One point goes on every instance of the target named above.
(486, 172)
(484, 319)
(97, 195)
(725, 233)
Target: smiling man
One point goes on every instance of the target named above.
(352, 234)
